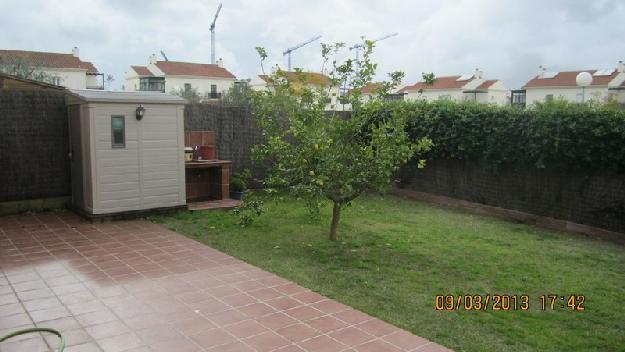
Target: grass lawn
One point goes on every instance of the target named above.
(394, 256)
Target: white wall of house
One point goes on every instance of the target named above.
(69, 78)
(497, 94)
(131, 81)
(203, 85)
(435, 94)
(572, 94)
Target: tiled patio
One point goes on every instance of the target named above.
(135, 286)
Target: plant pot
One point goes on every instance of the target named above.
(207, 152)
(240, 195)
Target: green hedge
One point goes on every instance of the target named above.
(569, 136)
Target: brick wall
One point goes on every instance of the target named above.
(594, 198)
(33, 145)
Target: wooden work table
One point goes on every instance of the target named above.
(207, 180)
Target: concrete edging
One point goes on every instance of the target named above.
(511, 215)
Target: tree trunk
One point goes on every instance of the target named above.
(336, 215)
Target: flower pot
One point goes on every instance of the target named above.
(208, 152)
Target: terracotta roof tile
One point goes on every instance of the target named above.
(371, 88)
(449, 82)
(314, 78)
(486, 84)
(51, 60)
(567, 79)
(177, 68)
(142, 70)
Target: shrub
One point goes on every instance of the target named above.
(565, 136)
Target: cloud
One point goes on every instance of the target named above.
(507, 40)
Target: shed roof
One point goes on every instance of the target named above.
(105, 96)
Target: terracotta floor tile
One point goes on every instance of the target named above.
(211, 338)
(246, 328)
(86, 347)
(267, 341)
(157, 334)
(377, 327)
(256, 310)
(134, 286)
(351, 336)
(304, 313)
(283, 303)
(232, 347)
(193, 325)
(49, 314)
(405, 340)
(120, 343)
(112, 328)
(352, 316)
(377, 346)
(180, 345)
(322, 344)
(226, 317)
(265, 294)
(239, 300)
(297, 332)
(94, 318)
(276, 321)
(326, 324)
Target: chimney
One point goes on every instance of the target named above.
(75, 52)
(541, 71)
(153, 59)
(621, 66)
(478, 74)
(220, 63)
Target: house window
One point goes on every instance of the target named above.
(152, 84)
(56, 81)
(187, 87)
(118, 132)
(213, 91)
(549, 98)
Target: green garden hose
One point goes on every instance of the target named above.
(31, 330)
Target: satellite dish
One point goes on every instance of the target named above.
(583, 79)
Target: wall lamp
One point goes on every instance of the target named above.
(140, 112)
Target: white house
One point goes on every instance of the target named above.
(66, 70)
(468, 87)
(312, 80)
(608, 84)
(166, 76)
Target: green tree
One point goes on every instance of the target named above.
(190, 94)
(320, 155)
(25, 69)
(239, 94)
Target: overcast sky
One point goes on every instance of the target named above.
(506, 39)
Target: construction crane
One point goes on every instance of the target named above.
(212, 28)
(164, 56)
(292, 49)
(358, 46)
